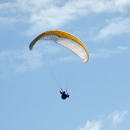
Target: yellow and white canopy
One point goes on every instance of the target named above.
(65, 39)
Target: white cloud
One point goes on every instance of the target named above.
(51, 14)
(103, 53)
(15, 61)
(94, 125)
(19, 61)
(105, 122)
(117, 117)
(117, 27)
(7, 20)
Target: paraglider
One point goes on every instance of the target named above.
(64, 95)
(66, 40)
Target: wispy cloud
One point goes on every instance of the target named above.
(19, 60)
(103, 53)
(110, 122)
(93, 125)
(114, 28)
(51, 14)
(23, 60)
(15, 61)
(7, 20)
(117, 117)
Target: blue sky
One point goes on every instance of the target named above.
(99, 90)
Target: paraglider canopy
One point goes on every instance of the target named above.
(65, 39)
